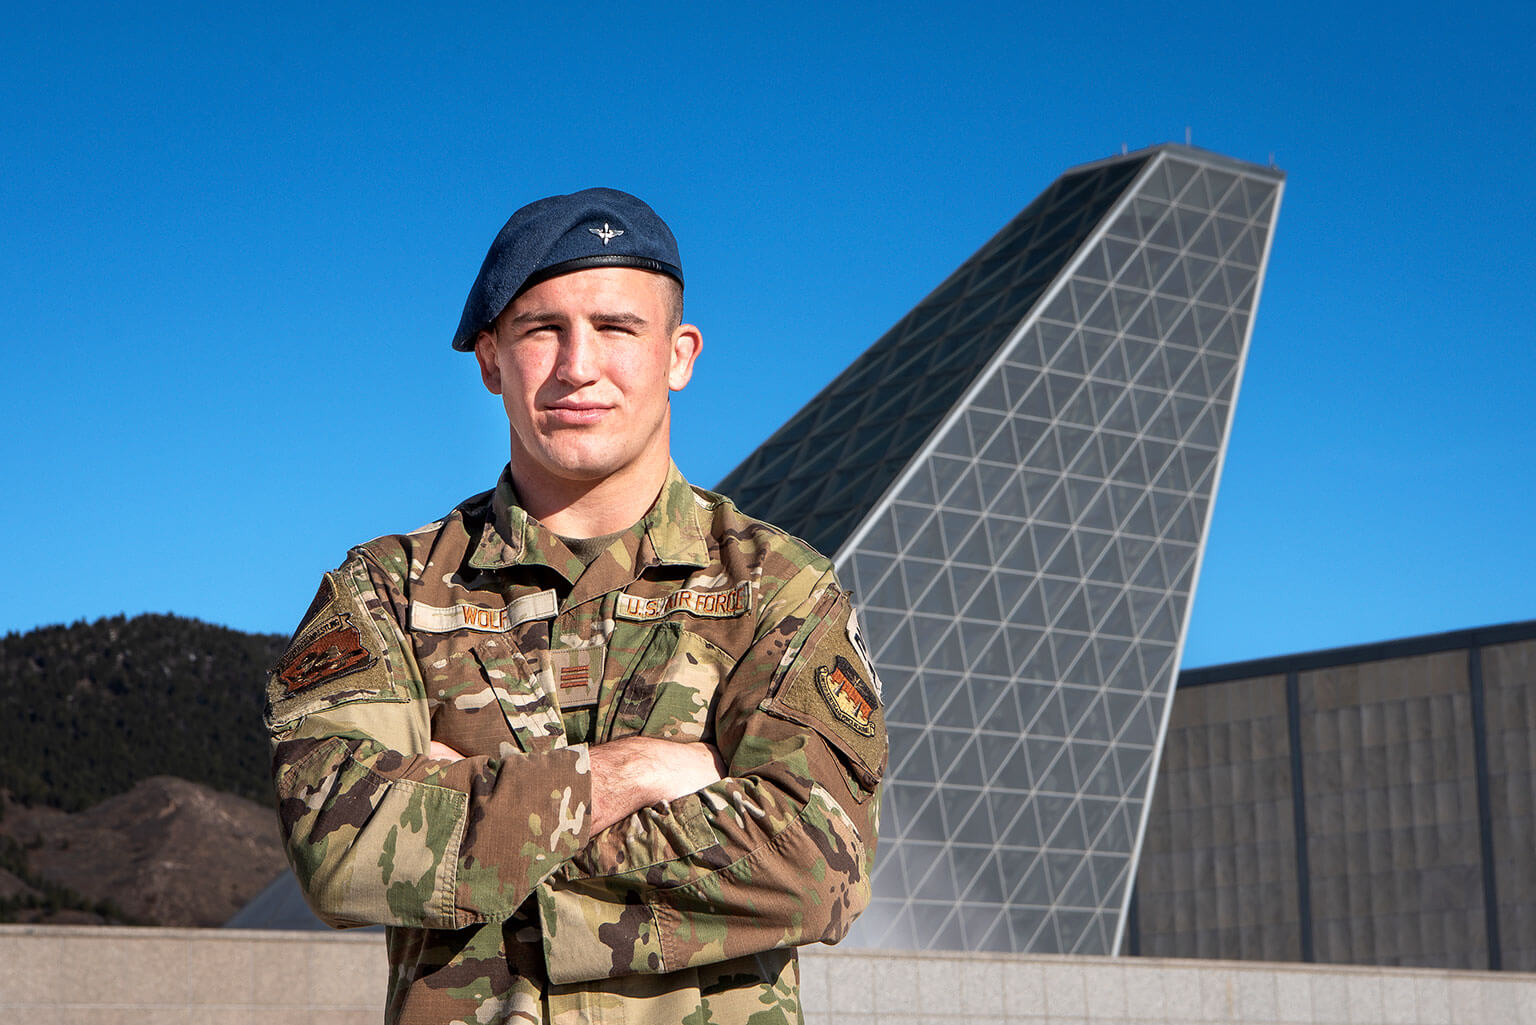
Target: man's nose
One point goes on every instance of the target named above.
(579, 357)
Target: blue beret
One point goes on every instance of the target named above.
(560, 234)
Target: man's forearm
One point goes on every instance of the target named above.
(636, 772)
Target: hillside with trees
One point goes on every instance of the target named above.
(133, 772)
(90, 709)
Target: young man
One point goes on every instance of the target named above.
(595, 746)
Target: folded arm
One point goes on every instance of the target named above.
(775, 854)
(376, 829)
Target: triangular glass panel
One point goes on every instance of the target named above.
(966, 494)
(1179, 175)
(1078, 890)
(1155, 184)
(1033, 886)
(1002, 449)
(1044, 455)
(1189, 223)
(976, 872)
(1017, 381)
(1050, 721)
(1095, 265)
(918, 810)
(946, 471)
(1078, 410)
(1198, 194)
(1221, 183)
(983, 424)
(1248, 248)
(1148, 213)
(1024, 638)
(1075, 439)
(938, 884)
(956, 441)
(1206, 241)
(910, 523)
(975, 550)
(975, 827)
(1165, 234)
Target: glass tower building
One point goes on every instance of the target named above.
(1016, 481)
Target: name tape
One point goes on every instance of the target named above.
(716, 604)
(438, 620)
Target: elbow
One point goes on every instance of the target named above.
(370, 850)
(838, 889)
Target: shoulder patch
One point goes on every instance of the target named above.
(333, 649)
(336, 656)
(830, 688)
(848, 695)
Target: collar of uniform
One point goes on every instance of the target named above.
(673, 527)
(511, 536)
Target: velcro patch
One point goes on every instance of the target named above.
(831, 689)
(336, 656)
(577, 674)
(713, 604)
(464, 616)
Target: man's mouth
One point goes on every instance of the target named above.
(572, 413)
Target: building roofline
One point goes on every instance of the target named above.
(1404, 647)
(1194, 153)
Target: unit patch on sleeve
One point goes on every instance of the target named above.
(829, 687)
(848, 695)
(334, 650)
(336, 656)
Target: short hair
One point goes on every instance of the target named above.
(674, 302)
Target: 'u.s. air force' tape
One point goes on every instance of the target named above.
(463, 616)
(715, 604)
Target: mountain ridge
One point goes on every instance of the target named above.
(134, 765)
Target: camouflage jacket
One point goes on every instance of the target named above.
(484, 632)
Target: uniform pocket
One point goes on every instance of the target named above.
(525, 695)
(686, 688)
(671, 688)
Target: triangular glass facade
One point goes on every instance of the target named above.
(1016, 481)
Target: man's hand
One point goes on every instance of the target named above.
(634, 772)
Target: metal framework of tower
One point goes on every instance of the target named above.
(1016, 481)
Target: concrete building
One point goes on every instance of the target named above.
(1365, 805)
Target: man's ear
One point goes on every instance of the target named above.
(687, 343)
(485, 355)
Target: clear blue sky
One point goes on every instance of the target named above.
(236, 241)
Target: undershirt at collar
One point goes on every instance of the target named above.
(587, 549)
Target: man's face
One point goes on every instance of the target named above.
(584, 363)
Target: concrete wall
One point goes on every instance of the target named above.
(86, 975)
(1365, 806)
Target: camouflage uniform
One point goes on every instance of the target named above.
(483, 631)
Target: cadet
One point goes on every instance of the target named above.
(595, 746)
